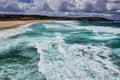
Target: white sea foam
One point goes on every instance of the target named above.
(66, 24)
(104, 36)
(74, 25)
(53, 26)
(100, 29)
(61, 61)
(14, 31)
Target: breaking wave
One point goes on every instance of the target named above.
(61, 50)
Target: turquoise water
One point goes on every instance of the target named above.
(61, 50)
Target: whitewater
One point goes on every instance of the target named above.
(61, 50)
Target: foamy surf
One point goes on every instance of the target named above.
(15, 31)
(60, 50)
(61, 61)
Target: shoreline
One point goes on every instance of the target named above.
(4, 25)
(13, 24)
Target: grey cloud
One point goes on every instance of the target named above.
(109, 8)
(11, 6)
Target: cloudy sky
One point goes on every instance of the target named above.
(79, 8)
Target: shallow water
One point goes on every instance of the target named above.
(61, 50)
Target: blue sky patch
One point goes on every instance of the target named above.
(26, 1)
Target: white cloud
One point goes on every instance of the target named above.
(106, 8)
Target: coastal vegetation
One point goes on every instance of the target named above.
(11, 17)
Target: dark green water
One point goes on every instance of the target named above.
(61, 50)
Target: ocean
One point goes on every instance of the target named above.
(61, 50)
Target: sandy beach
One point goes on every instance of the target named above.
(12, 24)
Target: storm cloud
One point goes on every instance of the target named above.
(104, 8)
